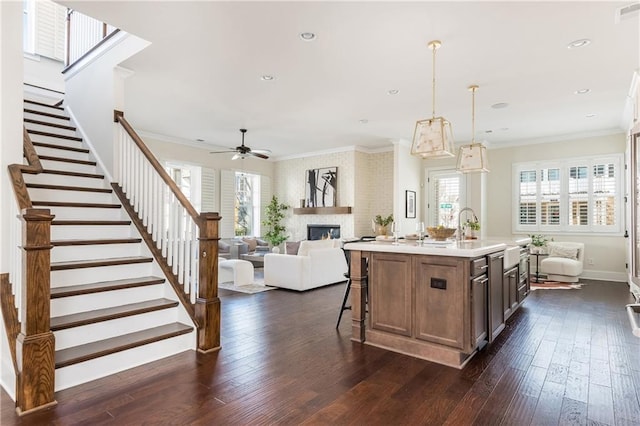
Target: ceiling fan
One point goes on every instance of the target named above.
(243, 151)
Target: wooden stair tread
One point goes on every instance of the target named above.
(47, 123)
(76, 354)
(76, 174)
(94, 263)
(61, 147)
(46, 114)
(99, 315)
(69, 188)
(54, 135)
(91, 222)
(80, 205)
(104, 241)
(29, 101)
(98, 287)
(67, 160)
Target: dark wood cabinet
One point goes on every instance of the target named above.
(495, 302)
(479, 293)
(510, 281)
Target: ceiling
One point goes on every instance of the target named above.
(201, 76)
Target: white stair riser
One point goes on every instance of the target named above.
(57, 141)
(68, 167)
(63, 153)
(88, 302)
(89, 232)
(85, 213)
(37, 107)
(54, 179)
(41, 194)
(100, 367)
(100, 273)
(45, 118)
(50, 129)
(101, 251)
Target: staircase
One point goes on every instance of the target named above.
(111, 307)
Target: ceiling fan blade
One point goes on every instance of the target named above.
(222, 152)
(262, 151)
(257, 154)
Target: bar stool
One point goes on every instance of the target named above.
(347, 275)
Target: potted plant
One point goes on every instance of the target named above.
(275, 213)
(471, 228)
(538, 243)
(380, 224)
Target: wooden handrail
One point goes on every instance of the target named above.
(118, 117)
(16, 170)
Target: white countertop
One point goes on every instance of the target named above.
(467, 248)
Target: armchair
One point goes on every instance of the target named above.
(318, 263)
(565, 261)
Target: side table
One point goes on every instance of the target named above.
(537, 255)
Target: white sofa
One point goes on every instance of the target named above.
(318, 263)
(564, 263)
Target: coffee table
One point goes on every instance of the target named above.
(256, 258)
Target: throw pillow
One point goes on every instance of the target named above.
(291, 247)
(262, 242)
(560, 251)
(251, 242)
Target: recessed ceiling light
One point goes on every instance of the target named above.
(582, 91)
(579, 43)
(308, 36)
(267, 77)
(488, 131)
(393, 91)
(590, 115)
(364, 121)
(500, 105)
(199, 140)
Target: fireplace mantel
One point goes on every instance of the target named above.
(322, 210)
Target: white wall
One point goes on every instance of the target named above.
(10, 148)
(408, 177)
(91, 94)
(607, 252)
(43, 72)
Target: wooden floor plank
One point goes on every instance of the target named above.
(283, 362)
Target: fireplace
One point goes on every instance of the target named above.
(323, 232)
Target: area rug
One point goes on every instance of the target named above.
(249, 289)
(555, 285)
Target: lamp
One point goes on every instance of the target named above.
(472, 157)
(432, 137)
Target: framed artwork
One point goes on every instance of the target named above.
(321, 187)
(410, 204)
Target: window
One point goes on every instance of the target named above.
(44, 28)
(247, 205)
(445, 193)
(573, 195)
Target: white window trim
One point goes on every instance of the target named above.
(564, 165)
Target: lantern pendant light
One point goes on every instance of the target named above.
(432, 137)
(472, 157)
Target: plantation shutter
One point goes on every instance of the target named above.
(550, 196)
(50, 29)
(603, 211)
(227, 203)
(208, 191)
(527, 197)
(445, 193)
(578, 195)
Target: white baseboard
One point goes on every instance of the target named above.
(591, 274)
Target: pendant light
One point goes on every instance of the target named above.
(432, 137)
(473, 157)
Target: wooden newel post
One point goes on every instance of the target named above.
(36, 343)
(358, 295)
(208, 302)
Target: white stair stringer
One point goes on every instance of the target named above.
(161, 332)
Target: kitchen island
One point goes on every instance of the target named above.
(429, 301)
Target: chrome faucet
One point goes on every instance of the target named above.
(475, 218)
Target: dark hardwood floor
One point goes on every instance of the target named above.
(567, 357)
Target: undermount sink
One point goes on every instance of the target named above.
(511, 257)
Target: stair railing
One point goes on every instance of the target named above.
(183, 241)
(25, 305)
(84, 34)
